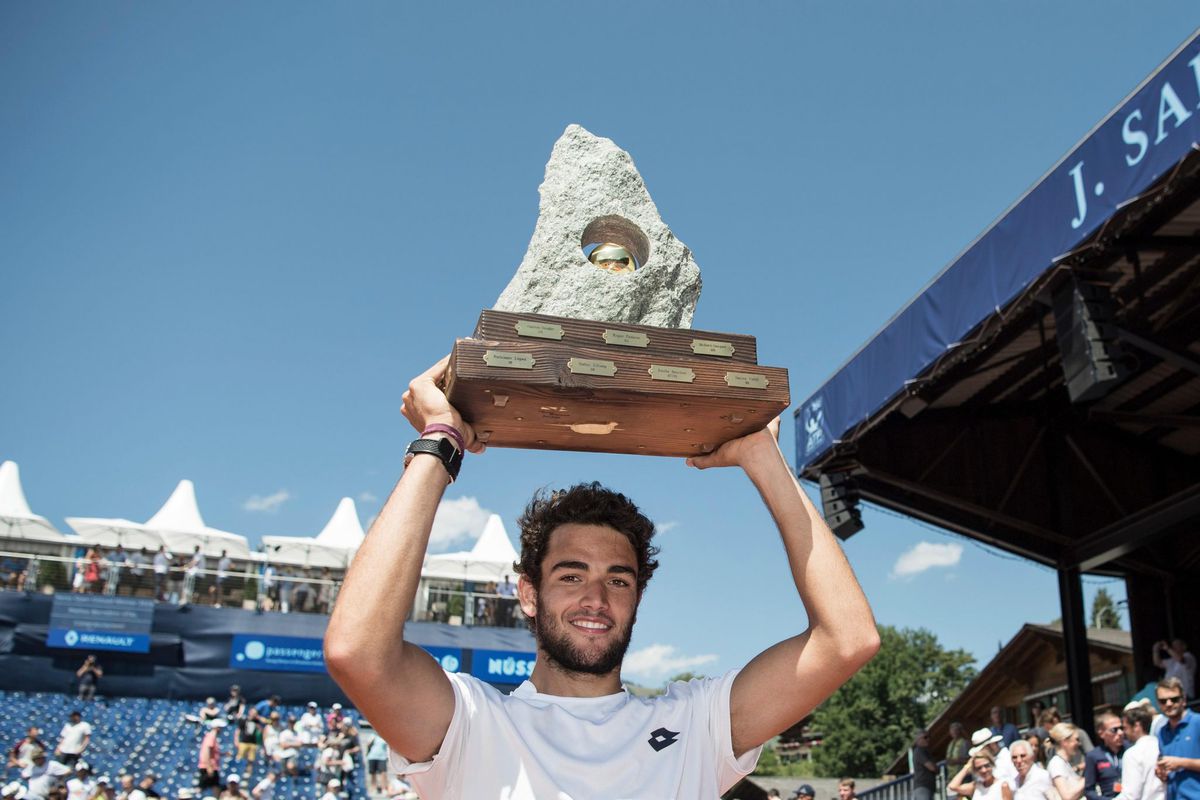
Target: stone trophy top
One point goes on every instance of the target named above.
(600, 251)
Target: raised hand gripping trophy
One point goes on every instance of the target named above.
(590, 346)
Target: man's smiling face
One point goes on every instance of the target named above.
(587, 603)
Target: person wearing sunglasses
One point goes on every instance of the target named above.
(1178, 743)
(1102, 764)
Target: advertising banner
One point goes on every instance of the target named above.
(100, 622)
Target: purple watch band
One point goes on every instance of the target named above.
(450, 431)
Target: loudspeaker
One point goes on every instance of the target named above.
(839, 504)
(1092, 357)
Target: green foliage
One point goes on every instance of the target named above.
(771, 765)
(52, 573)
(1104, 611)
(869, 721)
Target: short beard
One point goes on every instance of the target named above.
(562, 652)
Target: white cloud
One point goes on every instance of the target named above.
(269, 504)
(669, 525)
(658, 661)
(367, 497)
(926, 555)
(456, 521)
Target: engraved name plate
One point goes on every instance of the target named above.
(746, 380)
(626, 338)
(499, 358)
(707, 347)
(592, 366)
(660, 372)
(539, 330)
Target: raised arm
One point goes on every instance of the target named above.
(396, 685)
(959, 785)
(788, 680)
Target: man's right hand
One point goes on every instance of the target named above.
(425, 403)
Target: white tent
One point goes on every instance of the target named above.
(177, 524)
(490, 559)
(333, 547)
(17, 520)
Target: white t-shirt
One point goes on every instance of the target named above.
(70, 741)
(1005, 769)
(1138, 781)
(161, 562)
(79, 789)
(39, 781)
(1036, 784)
(989, 792)
(223, 567)
(528, 745)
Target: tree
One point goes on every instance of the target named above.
(870, 720)
(1104, 611)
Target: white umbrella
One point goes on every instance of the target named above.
(490, 559)
(17, 520)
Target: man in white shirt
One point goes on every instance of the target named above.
(571, 730)
(73, 740)
(1138, 781)
(43, 776)
(162, 564)
(82, 786)
(224, 564)
(311, 726)
(332, 790)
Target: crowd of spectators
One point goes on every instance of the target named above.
(269, 746)
(1138, 755)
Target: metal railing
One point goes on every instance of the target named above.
(901, 788)
(247, 585)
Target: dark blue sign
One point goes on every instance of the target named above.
(1127, 153)
(450, 658)
(98, 640)
(276, 653)
(100, 622)
(502, 666)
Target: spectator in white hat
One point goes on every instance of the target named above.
(81, 786)
(983, 740)
(332, 790)
(233, 788)
(310, 725)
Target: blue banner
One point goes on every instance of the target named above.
(1128, 152)
(276, 653)
(449, 657)
(122, 641)
(502, 666)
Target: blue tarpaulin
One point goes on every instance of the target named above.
(1132, 148)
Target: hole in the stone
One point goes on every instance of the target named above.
(615, 244)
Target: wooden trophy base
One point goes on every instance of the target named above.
(553, 383)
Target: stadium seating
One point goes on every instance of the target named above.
(138, 735)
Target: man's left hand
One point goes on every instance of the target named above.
(740, 452)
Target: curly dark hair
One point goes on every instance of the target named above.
(583, 504)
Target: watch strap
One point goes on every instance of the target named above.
(442, 449)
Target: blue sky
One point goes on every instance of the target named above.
(230, 234)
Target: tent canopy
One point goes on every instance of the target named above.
(177, 525)
(489, 560)
(333, 547)
(17, 520)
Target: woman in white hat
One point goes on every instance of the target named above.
(1067, 781)
(983, 783)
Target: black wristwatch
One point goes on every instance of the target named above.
(443, 449)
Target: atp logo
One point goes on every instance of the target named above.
(662, 738)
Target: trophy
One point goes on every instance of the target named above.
(590, 345)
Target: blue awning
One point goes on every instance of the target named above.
(1134, 146)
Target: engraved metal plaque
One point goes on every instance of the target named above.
(626, 338)
(539, 330)
(499, 358)
(746, 380)
(707, 347)
(661, 372)
(592, 366)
